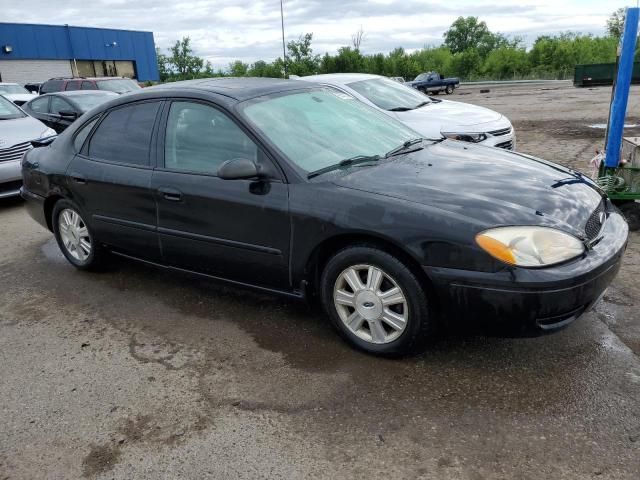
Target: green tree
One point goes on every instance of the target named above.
(182, 60)
(238, 69)
(164, 68)
(615, 23)
(300, 58)
(465, 33)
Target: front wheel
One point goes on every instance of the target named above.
(74, 237)
(449, 89)
(376, 302)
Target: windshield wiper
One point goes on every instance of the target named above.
(404, 147)
(345, 163)
(406, 109)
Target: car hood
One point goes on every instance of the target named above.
(20, 130)
(453, 117)
(483, 186)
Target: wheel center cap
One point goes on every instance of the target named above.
(368, 305)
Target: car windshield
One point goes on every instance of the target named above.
(12, 89)
(8, 110)
(88, 101)
(389, 95)
(319, 128)
(118, 85)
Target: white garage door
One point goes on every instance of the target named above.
(27, 71)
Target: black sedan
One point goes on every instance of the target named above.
(296, 189)
(59, 110)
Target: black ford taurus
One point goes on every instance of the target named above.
(297, 189)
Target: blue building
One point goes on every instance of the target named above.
(34, 53)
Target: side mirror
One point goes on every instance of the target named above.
(68, 114)
(238, 169)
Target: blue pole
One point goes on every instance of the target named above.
(623, 82)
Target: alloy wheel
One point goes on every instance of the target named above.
(74, 234)
(371, 304)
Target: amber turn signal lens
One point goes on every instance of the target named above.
(496, 249)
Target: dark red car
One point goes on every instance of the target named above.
(111, 84)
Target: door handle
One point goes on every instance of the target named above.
(171, 194)
(78, 178)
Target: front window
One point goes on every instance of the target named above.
(390, 95)
(119, 85)
(318, 128)
(8, 110)
(421, 77)
(9, 89)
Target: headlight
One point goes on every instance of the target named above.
(49, 132)
(530, 246)
(466, 137)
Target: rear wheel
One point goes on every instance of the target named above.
(449, 89)
(376, 302)
(74, 236)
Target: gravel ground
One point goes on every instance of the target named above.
(140, 373)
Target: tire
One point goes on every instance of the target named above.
(631, 213)
(449, 89)
(376, 328)
(73, 240)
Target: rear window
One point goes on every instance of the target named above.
(118, 85)
(124, 136)
(52, 86)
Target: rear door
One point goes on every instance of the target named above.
(235, 229)
(111, 175)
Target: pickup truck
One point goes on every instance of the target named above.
(433, 82)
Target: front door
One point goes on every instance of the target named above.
(110, 179)
(234, 229)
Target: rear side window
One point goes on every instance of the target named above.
(39, 105)
(124, 136)
(52, 86)
(82, 135)
(89, 86)
(59, 105)
(73, 85)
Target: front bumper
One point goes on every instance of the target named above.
(533, 300)
(10, 178)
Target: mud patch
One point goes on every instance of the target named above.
(100, 459)
(566, 130)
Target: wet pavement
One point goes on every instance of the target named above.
(141, 373)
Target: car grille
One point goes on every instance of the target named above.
(595, 222)
(15, 152)
(506, 145)
(502, 131)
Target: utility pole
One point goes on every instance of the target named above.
(284, 51)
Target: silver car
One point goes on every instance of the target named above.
(428, 116)
(17, 129)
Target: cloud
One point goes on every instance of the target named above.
(225, 30)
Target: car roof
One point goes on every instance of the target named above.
(340, 78)
(70, 79)
(75, 93)
(9, 83)
(238, 88)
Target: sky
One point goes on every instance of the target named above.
(225, 30)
